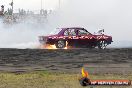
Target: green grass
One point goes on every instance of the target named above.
(45, 79)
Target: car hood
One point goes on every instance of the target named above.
(101, 35)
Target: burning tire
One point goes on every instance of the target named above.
(60, 44)
(85, 81)
(102, 44)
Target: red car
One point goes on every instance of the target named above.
(76, 37)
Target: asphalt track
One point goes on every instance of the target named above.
(118, 61)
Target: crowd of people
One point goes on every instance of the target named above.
(20, 15)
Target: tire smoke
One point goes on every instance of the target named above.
(21, 35)
(115, 16)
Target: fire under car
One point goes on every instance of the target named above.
(76, 37)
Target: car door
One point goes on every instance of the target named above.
(71, 36)
(84, 37)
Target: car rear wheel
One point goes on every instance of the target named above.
(102, 44)
(60, 44)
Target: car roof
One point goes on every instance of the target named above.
(63, 29)
(73, 28)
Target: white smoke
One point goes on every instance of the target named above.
(21, 35)
(114, 16)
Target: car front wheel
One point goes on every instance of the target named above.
(60, 44)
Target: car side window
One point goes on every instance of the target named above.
(83, 32)
(66, 33)
(71, 32)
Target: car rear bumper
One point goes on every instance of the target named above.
(42, 40)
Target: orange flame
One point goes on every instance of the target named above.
(48, 46)
(84, 73)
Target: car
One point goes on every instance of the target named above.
(76, 37)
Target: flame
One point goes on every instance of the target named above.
(84, 73)
(47, 46)
(66, 48)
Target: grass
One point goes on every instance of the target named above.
(43, 79)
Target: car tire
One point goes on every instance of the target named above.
(60, 44)
(85, 81)
(102, 44)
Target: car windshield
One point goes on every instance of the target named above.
(56, 31)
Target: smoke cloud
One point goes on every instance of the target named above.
(115, 16)
(21, 35)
